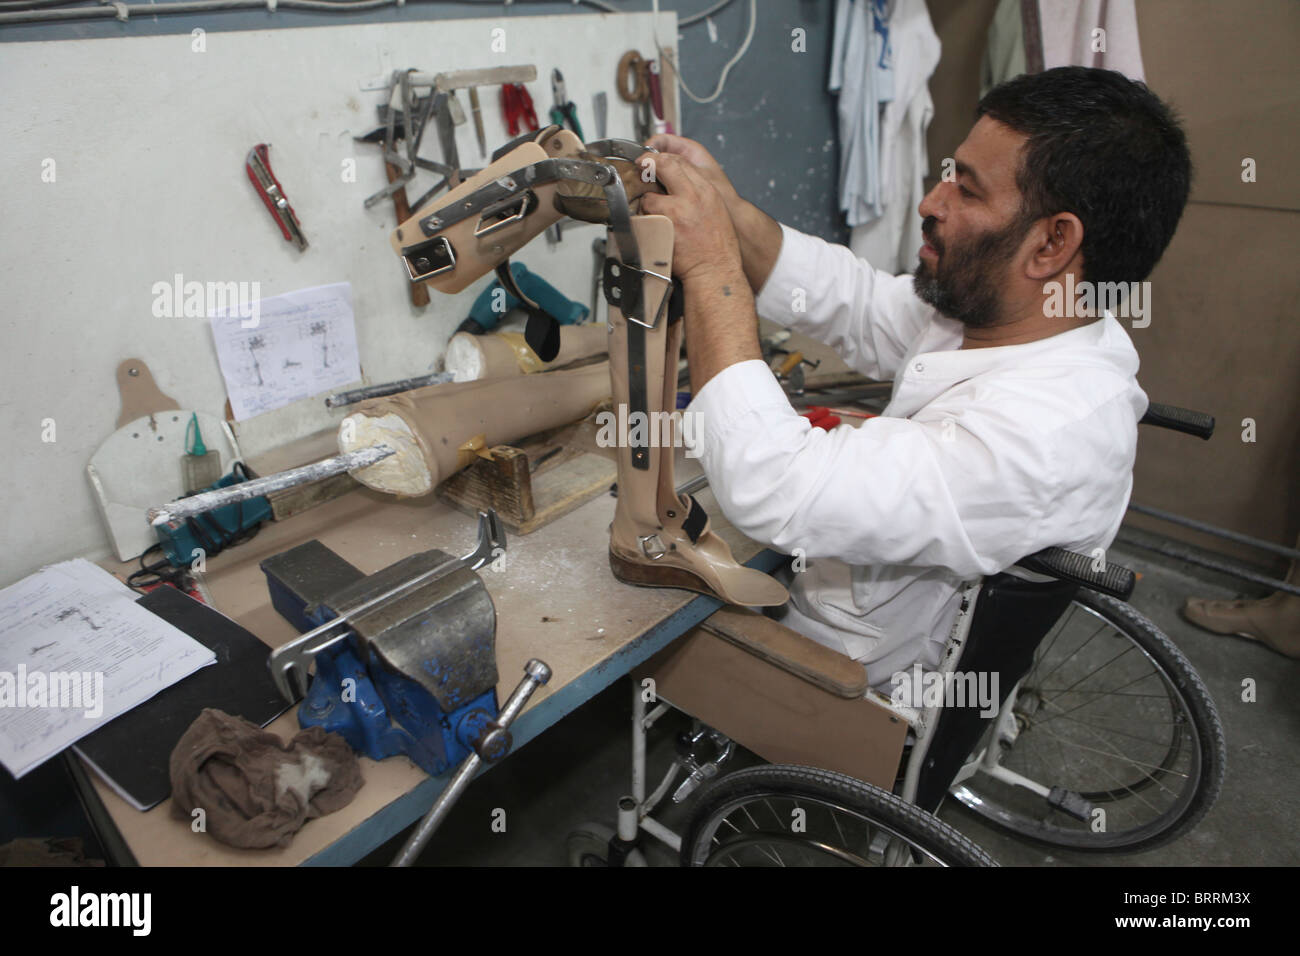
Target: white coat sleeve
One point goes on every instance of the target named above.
(965, 490)
(826, 292)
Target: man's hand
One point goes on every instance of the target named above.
(704, 241)
(699, 157)
(759, 234)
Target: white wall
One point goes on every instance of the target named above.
(148, 139)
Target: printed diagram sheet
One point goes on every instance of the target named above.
(291, 347)
(75, 652)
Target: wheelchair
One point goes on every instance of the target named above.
(1102, 737)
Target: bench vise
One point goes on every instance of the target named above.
(405, 658)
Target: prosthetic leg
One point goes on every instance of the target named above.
(658, 538)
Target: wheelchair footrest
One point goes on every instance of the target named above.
(1071, 803)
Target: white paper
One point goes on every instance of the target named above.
(75, 652)
(290, 347)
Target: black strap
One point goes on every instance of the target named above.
(695, 521)
(542, 333)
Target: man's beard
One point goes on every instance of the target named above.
(967, 288)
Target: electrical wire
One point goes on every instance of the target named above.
(722, 80)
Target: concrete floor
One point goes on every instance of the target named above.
(521, 812)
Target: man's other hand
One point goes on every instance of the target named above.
(705, 240)
(699, 157)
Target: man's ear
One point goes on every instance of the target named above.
(1058, 241)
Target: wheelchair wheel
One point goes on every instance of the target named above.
(800, 816)
(1114, 721)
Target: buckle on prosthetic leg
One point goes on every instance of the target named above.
(624, 287)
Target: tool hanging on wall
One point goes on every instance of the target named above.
(258, 167)
(563, 112)
(600, 109)
(517, 108)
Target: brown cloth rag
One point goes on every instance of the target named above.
(254, 791)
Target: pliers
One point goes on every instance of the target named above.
(517, 107)
(563, 112)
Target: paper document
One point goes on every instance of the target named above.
(287, 348)
(75, 652)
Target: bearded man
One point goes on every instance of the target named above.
(1012, 424)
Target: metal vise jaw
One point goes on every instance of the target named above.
(405, 658)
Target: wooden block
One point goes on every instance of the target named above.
(782, 717)
(525, 499)
(772, 641)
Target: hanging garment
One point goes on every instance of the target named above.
(890, 240)
(1070, 33)
(1004, 55)
(862, 74)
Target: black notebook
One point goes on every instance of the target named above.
(131, 752)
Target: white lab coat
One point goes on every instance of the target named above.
(983, 456)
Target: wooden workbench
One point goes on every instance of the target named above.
(555, 599)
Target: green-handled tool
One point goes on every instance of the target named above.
(200, 467)
(564, 113)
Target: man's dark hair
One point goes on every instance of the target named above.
(1105, 148)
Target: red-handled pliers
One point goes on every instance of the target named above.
(517, 106)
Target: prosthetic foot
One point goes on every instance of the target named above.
(658, 538)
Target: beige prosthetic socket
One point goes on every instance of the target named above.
(506, 354)
(649, 543)
(497, 237)
(438, 430)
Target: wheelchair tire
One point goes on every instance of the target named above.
(881, 817)
(1201, 742)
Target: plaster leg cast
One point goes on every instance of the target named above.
(504, 354)
(438, 430)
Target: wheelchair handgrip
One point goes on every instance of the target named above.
(1115, 580)
(1179, 419)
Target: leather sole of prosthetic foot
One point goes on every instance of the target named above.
(753, 589)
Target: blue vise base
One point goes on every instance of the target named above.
(417, 674)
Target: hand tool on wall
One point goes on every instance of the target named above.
(199, 466)
(477, 110)
(517, 108)
(633, 81)
(600, 109)
(657, 96)
(563, 112)
(258, 167)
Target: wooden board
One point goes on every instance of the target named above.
(779, 716)
(532, 483)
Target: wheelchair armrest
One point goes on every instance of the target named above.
(789, 650)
